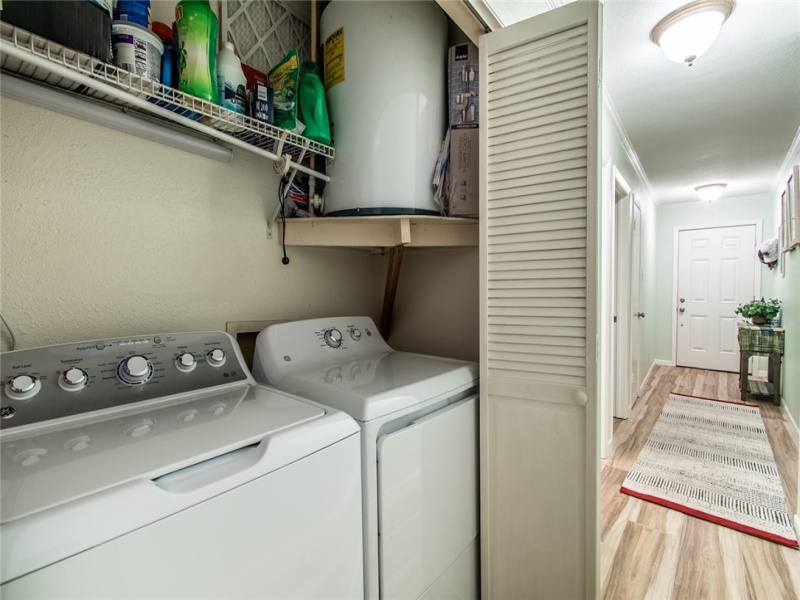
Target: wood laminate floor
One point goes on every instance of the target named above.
(649, 551)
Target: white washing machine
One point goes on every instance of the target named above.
(155, 467)
(419, 431)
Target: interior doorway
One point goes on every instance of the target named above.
(624, 235)
(636, 314)
(716, 270)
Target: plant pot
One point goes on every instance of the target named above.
(758, 320)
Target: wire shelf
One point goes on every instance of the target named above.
(38, 59)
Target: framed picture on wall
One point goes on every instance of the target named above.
(793, 199)
(790, 212)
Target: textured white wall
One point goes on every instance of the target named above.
(106, 234)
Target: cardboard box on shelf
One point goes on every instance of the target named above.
(463, 173)
(462, 85)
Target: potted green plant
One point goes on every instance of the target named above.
(761, 311)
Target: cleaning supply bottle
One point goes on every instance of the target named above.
(197, 51)
(231, 82)
(169, 67)
(313, 110)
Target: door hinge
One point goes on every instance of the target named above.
(615, 318)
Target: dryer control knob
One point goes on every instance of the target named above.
(216, 358)
(355, 334)
(186, 362)
(136, 369)
(333, 337)
(23, 387)
(73, 379)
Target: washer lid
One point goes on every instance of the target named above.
(53, 465)
(380, 384)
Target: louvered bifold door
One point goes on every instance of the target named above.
(539, 423)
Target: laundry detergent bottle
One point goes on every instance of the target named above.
(231, 82)
(198, 29)
(313, 110)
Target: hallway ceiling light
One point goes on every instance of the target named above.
(686, 33)
(710, 192)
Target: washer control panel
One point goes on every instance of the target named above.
(41, 384)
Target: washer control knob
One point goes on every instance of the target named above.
(136, 369)
(333, 337)
(73, 379)
(355, 334)
(186, 362)
(216, 358)
(23, 387)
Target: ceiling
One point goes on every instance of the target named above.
(731, 117)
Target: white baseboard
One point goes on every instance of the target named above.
(797, 526)
(656, 362)
(608, 451)
(788, 416)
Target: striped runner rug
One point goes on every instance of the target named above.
(711, 459)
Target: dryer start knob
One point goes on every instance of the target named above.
(333, 337)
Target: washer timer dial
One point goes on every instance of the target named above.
(135, 370)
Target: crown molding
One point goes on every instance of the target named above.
(611, 112)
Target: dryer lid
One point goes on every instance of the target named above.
(379, 384)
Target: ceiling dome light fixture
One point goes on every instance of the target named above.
(686, 33)
(710, 192)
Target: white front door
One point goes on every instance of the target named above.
(716, 273)
(539, 416)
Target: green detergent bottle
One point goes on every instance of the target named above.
(313, 110)
(198, 29)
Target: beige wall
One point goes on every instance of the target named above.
(106, 234)
(437, 306)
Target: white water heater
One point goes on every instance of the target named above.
(385, 86)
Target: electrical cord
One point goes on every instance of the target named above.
(11, 333)
(282, 199)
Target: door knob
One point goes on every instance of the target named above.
(680, 310)
(683, 299)
(640, 315)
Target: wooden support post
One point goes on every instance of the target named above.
(392, 278)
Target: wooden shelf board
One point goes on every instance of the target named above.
(382, 232)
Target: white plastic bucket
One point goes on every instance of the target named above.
(137, 50)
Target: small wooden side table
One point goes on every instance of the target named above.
(760, 340)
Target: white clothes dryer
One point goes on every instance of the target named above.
(419, 431)
(155, 467)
